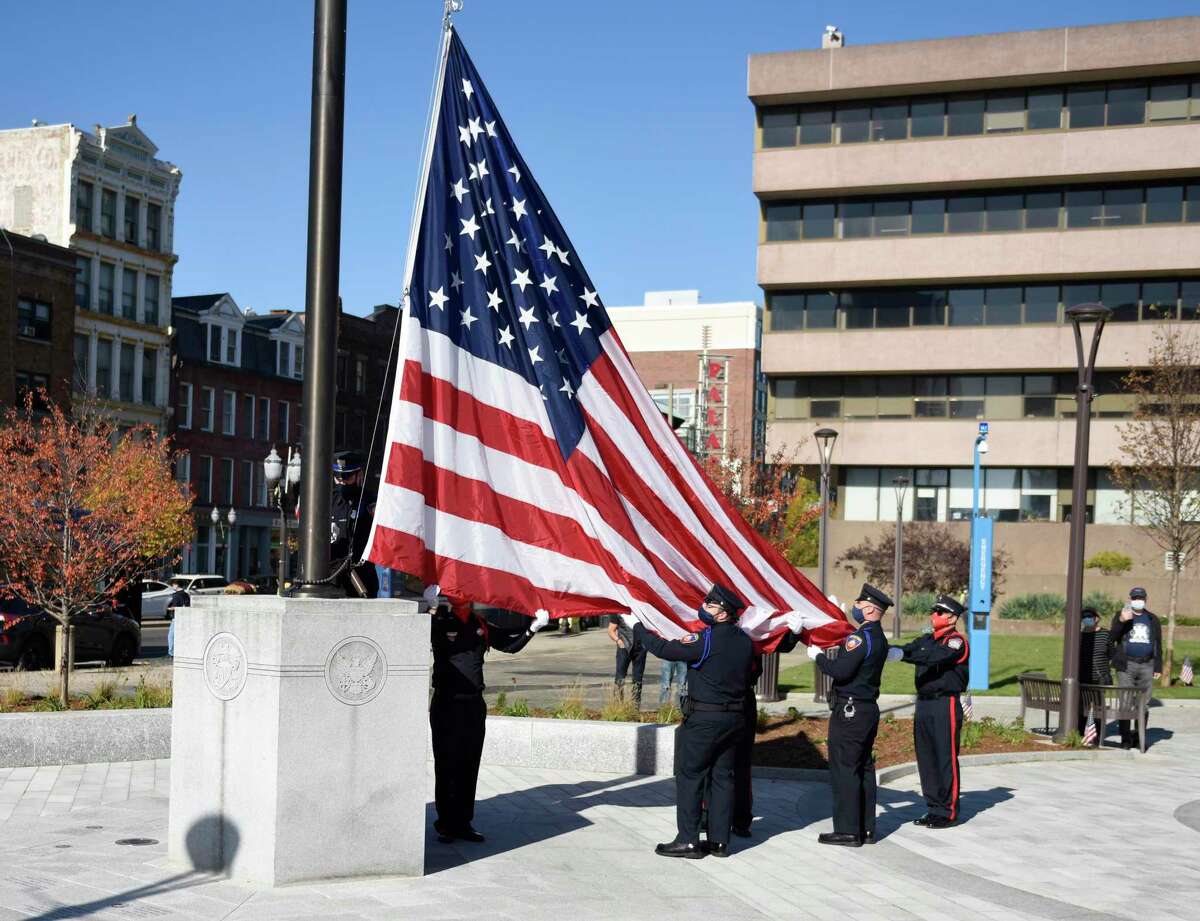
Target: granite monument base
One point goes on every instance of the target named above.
(299, 736)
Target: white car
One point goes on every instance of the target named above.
(202, 584)
(156, 594)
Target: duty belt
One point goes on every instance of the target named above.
(699, 706)
(938, 695)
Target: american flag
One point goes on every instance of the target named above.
(1186, 675)
(527, 467)
(1090, 732)
(968, 705)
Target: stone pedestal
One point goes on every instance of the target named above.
(299, 738)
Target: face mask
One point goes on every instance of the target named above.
(858, 614)
(1088, 623)
(1137, 605)
(705, 616)
(941, 621)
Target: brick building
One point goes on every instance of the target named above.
(37, 318)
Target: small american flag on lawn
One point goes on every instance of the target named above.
(1090, 731)
(527, 466)
(968, 706)
(1186, 675)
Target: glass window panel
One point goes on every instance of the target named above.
(1168, 102)
(889, 122)
(825, 386)
(960, 494)
(818, 221)
(965, 214)
(1195, 99)
(1045, 109)
(1189, 300)
(891, 218)
(928, 118)
(1002, 492)
(129, 294)
(825, 409)
(1042, 209)
(1004, 212)
(1085, 107)
(927, 385)
(1080, 294)
(779, 129)
(820, 310)
(967, 385)
(1123, 206)
(1164, 204)
(860, 494)
(1039, 407)
(1127, 104)
(965, 117)
(1158, 300)
(787, 312)
(933, 476)
(816, 126)
(1122, 299)
(966, 306)
(854, 124)
(790, 398)
(1193, 204)
(859, 386)
(1003, 306)
(1041, 304)
(1084, 207)
(153, 226)
(1003, 385)
(1005, 112)
(895, 385)
(928, 215)
(859, 309)
(891, 310)
(966, 409)
(929, 308)
(783, 222)
(855, 219)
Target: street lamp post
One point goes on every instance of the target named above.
(281, 480)
(218, 521)
(825, 440)
(900, 484)
(1084, 393)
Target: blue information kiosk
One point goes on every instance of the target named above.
(979, 592)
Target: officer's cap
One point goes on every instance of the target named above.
(726, 598)
(948, 605)
(875, 596)
(1137, 594)
(347, 462)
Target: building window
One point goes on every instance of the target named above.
(248, 415)
(107, 287)
(247, 483)
(207, 397)
(260, 486)
(264, 419)
(83, 282)
(224, 344)
(203, 542)
(108, 213)
(150, 376)
(183, 411)
(80, 369)
(150, 298)
(228, 412)
(226, 484)
(33, 319)
(204, 481)
(343, 372)
(132, 206)
(125, 377)
(83, 205)
(29, 383)
(285, 430)
(183, 469)
(154, 227)
(298, 365)
(104, 362)
(129, 294)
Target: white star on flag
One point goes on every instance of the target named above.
(467, 88)
(518, 209)
(491, 128)
(516, 242)
(554, 320)
(456, 281)
(467, 317)
(522, 280)
(516, 172)
(590, 298)
(550, 283)
(547, 247)
(562, 256)
(534, 356)
(506, 338)
(482, 263)
(438, 298)
(479, 170)
(581, 322)
(566, 388)
(494, 300)
(527, 318)
(449, 242)
(469, 227)
(473, 127)
(458, 190)
(487, 207)
(464, 134)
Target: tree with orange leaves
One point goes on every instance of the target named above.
(80, 514)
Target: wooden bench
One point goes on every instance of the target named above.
(1040, 693)
(1105, 701)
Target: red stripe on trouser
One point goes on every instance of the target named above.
(953, 757)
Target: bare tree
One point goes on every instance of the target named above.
(1159, 468)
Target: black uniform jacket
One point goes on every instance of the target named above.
(345, 509)
(720, 660)
(941, 661)
(857, 669)
(459, 648)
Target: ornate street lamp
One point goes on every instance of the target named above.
(281, 480)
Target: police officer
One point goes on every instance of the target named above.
(856, 672)
(942, 660)
(457, 713)
(352, 509)
(719, 659)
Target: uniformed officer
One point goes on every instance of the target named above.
(351, 510)
(457, 713)
(856, 672)
(941, 659)
(719, 658)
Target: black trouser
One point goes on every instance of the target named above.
(635, 656)
(704, 757)
(937, 729)
(852, 766)
(458, 728)
(743, 786)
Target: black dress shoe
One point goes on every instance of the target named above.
(741, 831)
(939, 821)
(680, 849)
(467, 833)
(444, 835)
(924, 820)
(715, 848)
(839, 838)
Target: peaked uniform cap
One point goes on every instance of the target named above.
(726, 598)
(875, 596)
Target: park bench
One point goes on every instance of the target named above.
(1106, 702)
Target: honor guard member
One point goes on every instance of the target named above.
(942, 673)
(856, 672)
(351, 510)
(719, 658)
(457, 713)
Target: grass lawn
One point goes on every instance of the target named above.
(1010, 655)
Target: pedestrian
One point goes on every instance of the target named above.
(1093, 661)
(673, 673)
(1136, 650)
(179, 599)
(630, 651)
(854, 700)
(941, 658)
(457, 712)
(720, 657)
(351, 511)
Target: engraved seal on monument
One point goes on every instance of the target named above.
(355, 670)
(225, 666)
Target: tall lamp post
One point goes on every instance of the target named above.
(825, 440)
(900, 484)
(281, 480)
(1084, 393)
(218, 521)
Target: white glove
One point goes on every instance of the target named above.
(795, 622)
(895, 654)
(813, 652)
(540, 618)
(629, 620)
(431, 593)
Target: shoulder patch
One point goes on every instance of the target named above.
(955, 642)
(853, 642)
(690, 638)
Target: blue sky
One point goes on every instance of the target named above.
(632, 114)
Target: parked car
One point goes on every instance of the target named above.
(156, 595)
(106, 634)
(202, 584)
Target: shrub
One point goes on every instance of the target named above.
(667, 714)
(519, 707)
(918, 603)
(762, 719)
(151, 696)
(618, 710)
(11, 699)
(102, 697)
(1037, 606)
(1110, 562)
(571, 706)
(1103, 603)
(49, 704)
(501, 701)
